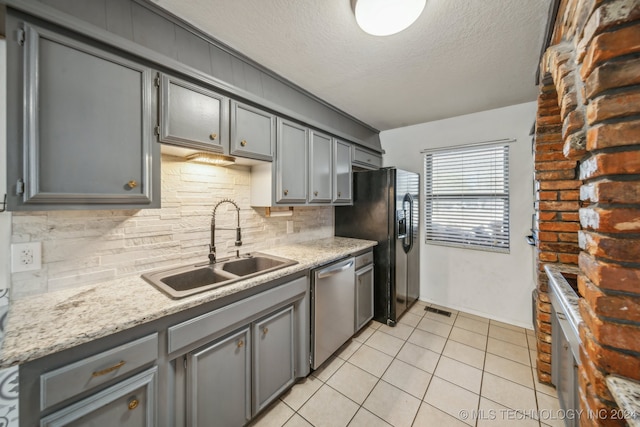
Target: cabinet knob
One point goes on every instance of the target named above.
(243, 142)
(315, 193)
(369, 160)
(265, 330)
(339, 194)
(133, 404)
(213, 136)
(132, 184)
(240, 344)
(286, 192)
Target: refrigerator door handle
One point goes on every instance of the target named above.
(408, 241)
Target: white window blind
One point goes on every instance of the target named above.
(467, 196)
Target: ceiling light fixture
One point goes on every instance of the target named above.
(211, 159)
(386, 17)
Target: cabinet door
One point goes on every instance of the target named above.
(130, 403)
(273, 357)
(364, 296)
(192, 116)
(88, 132)
(342, 172)
(291, 162)
(253, 132)
(219, 382)
(320, 168)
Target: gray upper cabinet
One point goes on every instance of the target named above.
(253, 132)
(342, 172)
(192, 116)
(291, 162)
(366, 159)
(320, 168)
(85, 133)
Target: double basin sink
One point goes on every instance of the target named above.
(187, 280)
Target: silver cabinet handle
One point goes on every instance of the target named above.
(334, 270)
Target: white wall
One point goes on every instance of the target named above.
(490, 284)
(5, 217)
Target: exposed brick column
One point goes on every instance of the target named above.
(594, 66)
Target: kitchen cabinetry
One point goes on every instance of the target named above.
(342, 172)
(219, 382)
(364, 289)
(291, 162)
(320, 168)
(253, 132)
(192, 116)
(84, 136)
(366, 159)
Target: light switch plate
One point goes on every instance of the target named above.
(289, 227)
(26, 257)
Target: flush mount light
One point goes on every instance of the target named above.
(386, 17)
(211, 159)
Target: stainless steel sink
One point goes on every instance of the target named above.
(187, 280)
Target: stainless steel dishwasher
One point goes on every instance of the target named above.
(332, 309)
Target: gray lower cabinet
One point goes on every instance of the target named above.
(274, 358)
(219, 382)
(84, 137)
(192, 116)
(364, 296)
(130, 403)
(253, 132)
(342, 172)
(291, 162)
(320, 168)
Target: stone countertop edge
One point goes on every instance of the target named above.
(564, 291)
(626, 392)
(48, 323)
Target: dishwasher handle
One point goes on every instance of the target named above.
(334, 269)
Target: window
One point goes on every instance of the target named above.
(467, 197)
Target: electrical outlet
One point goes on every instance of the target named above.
(26, 257)
(289, 227)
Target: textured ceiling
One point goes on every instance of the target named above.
(461, 56)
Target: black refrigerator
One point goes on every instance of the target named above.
(386, 209)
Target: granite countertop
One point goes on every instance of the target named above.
(44, 324)
(626, 392)
(567, 295)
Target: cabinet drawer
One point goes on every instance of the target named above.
(364, 259)
(70, 380)
(187, 334)
(367, 159)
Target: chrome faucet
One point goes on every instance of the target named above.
(212, 246)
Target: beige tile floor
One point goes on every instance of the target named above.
(428, 370)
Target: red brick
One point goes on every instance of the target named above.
(595, 376)
(568, 248)
(613, 75)
(547, 236)
(548, 138)
(568, 259)
(612, 248)
(568, 237)
(613, 135)
(556, 175)
(547, 195)
(549, 156)
(544, 307)
(602, 164)
(572, 123)
(610, 276)
(608, 333)
(559, 226)
(624, 308)
(613, 106)
(559, 206)
(607, 46)
(554, 166)
(570, 195)
(547, 216)
(560, 185)
(610, 192)
(548, 257)
(543, 377)
(574, 147)
(570, 216)
(614, 220)
(552, 119)
(554, 145)
(609, 360)
(568, 104)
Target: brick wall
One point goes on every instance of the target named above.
(85, 247)
(592, 68)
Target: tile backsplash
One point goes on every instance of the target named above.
(85, 247)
